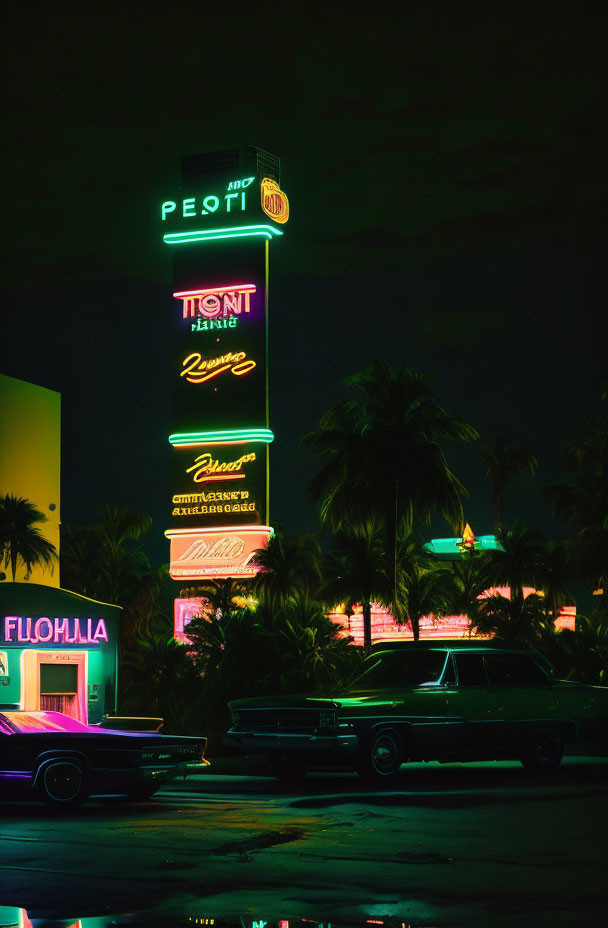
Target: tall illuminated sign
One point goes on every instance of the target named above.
(219, 227)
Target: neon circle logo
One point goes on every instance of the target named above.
(274, 202)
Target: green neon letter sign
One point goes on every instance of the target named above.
(167, 207)
(210, 204)
(188, 208)
(228, 198)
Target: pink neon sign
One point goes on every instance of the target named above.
(44, 630)
(231, 300)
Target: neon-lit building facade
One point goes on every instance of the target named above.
(58, 650)
(219, 228)
(385, 627)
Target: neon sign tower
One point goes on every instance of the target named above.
(219, 228)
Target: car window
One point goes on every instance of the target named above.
(515, 670)
(449, 674)
(471, 669)
(399, 668)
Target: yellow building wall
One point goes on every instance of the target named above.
(30, 458)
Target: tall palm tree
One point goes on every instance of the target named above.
(468, 580)
(427, 593)
(381, 456)
(581, 499)
(20, 538)
(106, 560)
(503, 459)
(522, 560)
(356, 573)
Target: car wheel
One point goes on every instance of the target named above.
(381, 755)
(143, 791)
(545, 752)
(287, 766)
(63, 783)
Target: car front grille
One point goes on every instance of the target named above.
(287, 720)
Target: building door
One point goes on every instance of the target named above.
(59, 688)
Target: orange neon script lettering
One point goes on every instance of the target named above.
(197, 370)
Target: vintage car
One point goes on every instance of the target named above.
(421, 703)
(50, 756)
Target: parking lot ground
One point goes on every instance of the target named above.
(479, 844)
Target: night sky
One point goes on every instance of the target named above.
(446, 174)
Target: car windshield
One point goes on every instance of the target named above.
(43, 721)
(401, 668)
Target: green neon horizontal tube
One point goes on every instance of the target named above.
(206, 235)
(217, 437)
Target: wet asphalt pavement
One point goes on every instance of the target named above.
(481, 844)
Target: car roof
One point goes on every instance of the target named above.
(456, 644)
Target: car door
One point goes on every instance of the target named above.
(524, 694)
(471, 704)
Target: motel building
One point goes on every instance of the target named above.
(384, 626)
(58, 650)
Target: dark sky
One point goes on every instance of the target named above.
(446, 173)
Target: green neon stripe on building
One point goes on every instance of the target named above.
(217, 437)
(207, 235)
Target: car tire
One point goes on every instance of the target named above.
(64, 784)
(288, 767)
(545, 752)
(381, 755)
(143, 791)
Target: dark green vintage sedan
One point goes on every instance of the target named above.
(443, 702)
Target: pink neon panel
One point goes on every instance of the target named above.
(226, 289)
(184, 611)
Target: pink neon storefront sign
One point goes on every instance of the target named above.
(45, 630)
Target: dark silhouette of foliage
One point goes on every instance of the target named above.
(519, 622)
(580, 500)
(107, 561)
(356, 573)
(381, 456)
(503, 460)
(21, 541)
(291, 566)
(160, 679)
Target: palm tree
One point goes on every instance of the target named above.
(555, 576)
(290, 567)
(21, 539)
(518, 621)
(159, 678)
(503, 460)
(107, 561)
(427, 593)
(382, 458)
(522, 560)
(357, 573)
(468, 580)
(581, 499)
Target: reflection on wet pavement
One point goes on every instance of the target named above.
(13, 917)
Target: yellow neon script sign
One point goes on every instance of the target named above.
(274, 202)
(205, 468)
(198, 371)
